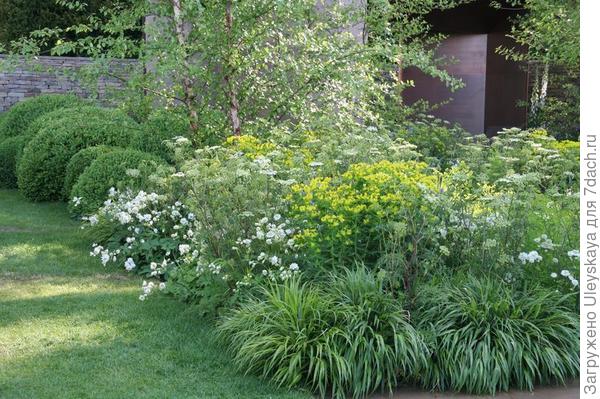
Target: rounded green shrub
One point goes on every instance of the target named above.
(161, 127)
(21, 115)
(42, 167)
(79, 163)
(485, 337)
(50, 117)
(121, 168)
(10, 155)
(10, 152)
(345, 340)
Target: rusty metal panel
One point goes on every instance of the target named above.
(465, 106)
(506, 87)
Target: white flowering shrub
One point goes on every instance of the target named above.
(151, 235)
(554, 165)
(507, 229)
(156, 237)
(551, 264)
(271, 252)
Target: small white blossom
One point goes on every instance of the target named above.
(129, 264)
(184, 249)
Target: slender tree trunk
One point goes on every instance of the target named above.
(540, 88)
(544, 86)
(188, 89)
(234, 105)
(535, 90)
(399, 76)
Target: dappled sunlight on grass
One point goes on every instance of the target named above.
(60, 287)
(27, 251)
(70, 328)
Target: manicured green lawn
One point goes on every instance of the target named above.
(70, 328)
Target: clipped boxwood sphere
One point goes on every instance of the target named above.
(19, 116)
(49, 118)
(10, 152)
(79, 163)
(161, 126)
(42, 167)
(121, 168)
(13, 149)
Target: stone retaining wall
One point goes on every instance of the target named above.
(28, 78)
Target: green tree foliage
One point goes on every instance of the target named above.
(21, 17)
(548, 32)
(253, 66)
(547, 35)
(401, 33)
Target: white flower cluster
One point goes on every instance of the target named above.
(530, 257)
(275, 233)
(545, 243)
(265, 166)
(148, 287)
(270, 252)
(567, 274)
(152, 225)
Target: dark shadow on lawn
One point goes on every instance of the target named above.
(122, 307)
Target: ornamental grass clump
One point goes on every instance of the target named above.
(380, 344)
(345, 340)
(485, 337)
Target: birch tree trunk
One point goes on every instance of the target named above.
(234, 105)
(187, 83)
